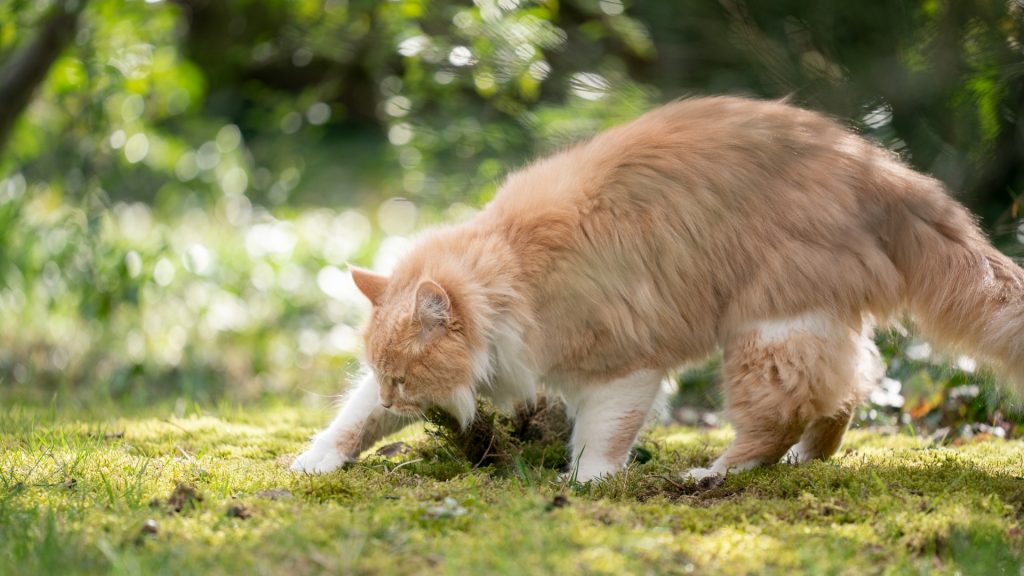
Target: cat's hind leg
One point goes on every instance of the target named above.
(607, 418)
(782, 378)
(824, 435)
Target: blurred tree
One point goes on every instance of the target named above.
(24, 71)
(448, 94)
(181, 193)
(940, 82)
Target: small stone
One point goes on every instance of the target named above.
(150, 526)
(710, 482)
(448, 508)
(274, 494)
(710, 420)
(559, 501)
(640, 455)
(687, 415)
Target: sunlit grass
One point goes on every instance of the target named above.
(77, 491)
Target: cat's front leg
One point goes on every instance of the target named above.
(607, 418)
(360, 422)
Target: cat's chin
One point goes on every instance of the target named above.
(461, 405)
(405, 412)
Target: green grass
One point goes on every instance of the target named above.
(76, 491)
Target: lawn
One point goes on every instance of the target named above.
(208, 491)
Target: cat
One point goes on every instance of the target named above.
(754, 227)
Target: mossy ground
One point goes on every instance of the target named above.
(85, 494)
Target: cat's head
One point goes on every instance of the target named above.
(418, 346)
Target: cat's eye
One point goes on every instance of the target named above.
(399, 380)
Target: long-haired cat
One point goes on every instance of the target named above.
(754, 227)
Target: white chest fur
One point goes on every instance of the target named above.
(508, 377)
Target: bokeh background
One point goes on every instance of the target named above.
(182, 182)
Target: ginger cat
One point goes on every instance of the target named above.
(765, 230)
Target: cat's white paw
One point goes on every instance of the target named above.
(719, 468)
(797, 455)
(319, 459)
(587, 473)
(566, 477)
(699, 474)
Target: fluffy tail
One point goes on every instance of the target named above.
(961, 291)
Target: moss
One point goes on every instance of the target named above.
(75, 495)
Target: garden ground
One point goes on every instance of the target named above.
(208, 491)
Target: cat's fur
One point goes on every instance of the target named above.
(762, 229)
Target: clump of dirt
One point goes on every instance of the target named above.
(675, 488)
(183, 498)
(240, 511)
(543, 421)
(536, 433)
(486, 441)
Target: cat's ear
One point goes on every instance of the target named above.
(372, 285)
(433, 309)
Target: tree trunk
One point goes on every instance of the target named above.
(22, 74)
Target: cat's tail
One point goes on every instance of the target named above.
(962, 292)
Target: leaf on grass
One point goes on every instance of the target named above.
(393, 449)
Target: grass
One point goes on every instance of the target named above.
(82, 493)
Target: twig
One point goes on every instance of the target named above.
(403, 464)
(670, 481)
(486, 452)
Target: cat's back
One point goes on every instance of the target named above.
(718, 143)
(693, 209)
(724, 141)
(694, 157)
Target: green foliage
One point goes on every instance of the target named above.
(130, 306)
(179, 201)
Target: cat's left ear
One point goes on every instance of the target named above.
(433, 309)
(370, 284)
